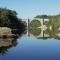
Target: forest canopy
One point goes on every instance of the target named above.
(8, 18)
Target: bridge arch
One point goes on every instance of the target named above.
(43, 27)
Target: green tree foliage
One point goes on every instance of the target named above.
(35, 23)
(54, 23)
(34, 27)
(8, 18)
(42, 16)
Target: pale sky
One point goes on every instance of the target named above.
(31, 8)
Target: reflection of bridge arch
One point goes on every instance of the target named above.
(42, 34)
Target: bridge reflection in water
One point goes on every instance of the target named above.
(10, 42)
(41, 35)
(44, 35)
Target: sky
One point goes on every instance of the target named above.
(30, 8)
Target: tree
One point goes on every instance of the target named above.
(8, 18)
(42, 16)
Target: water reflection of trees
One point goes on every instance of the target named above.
(6, 44)
(53, 33)
(9, 42)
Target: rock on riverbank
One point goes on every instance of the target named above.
(5, 31)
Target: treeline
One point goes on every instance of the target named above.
(53, 19)
(54, 23)
(48, 16)
(8, 18)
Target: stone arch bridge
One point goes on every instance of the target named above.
(43, 27)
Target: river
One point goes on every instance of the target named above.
(29, 48)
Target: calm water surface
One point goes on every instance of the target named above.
(31, 48)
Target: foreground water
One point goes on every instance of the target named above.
(30, 48)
